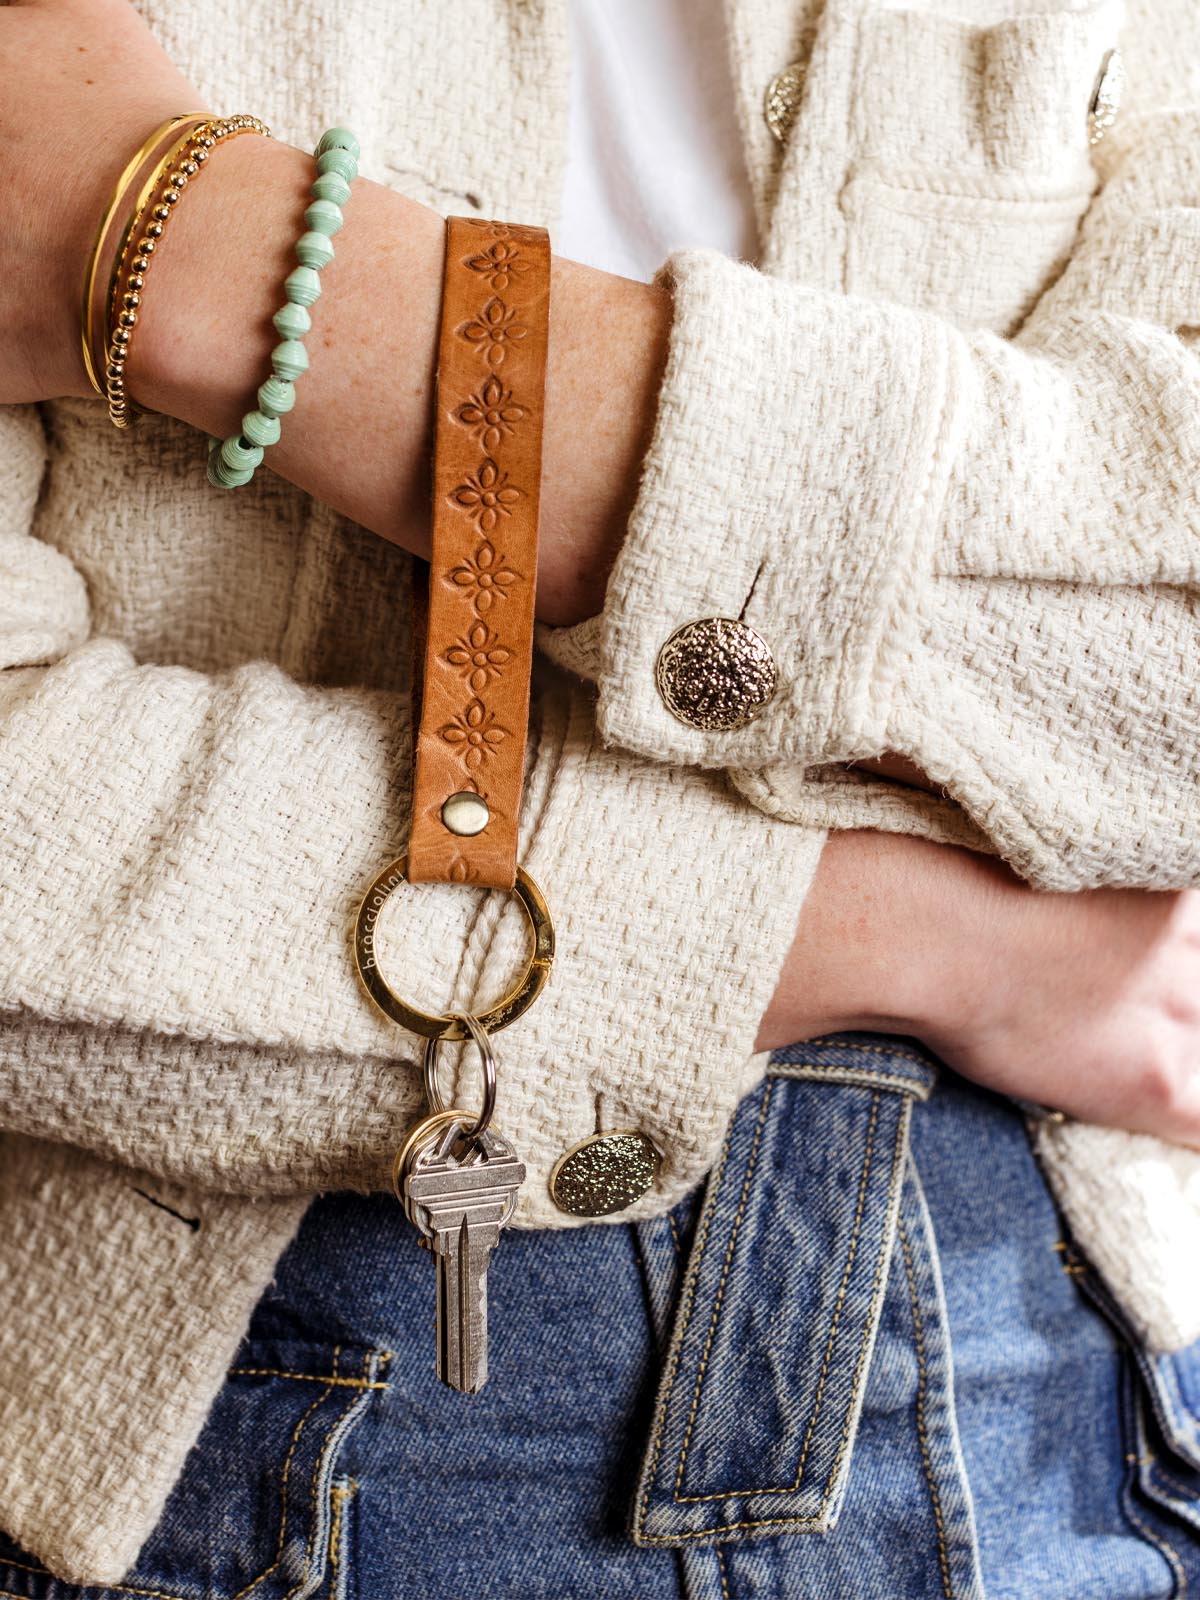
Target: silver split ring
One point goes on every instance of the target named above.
(433, 1093)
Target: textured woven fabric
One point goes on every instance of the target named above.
(204, 722)
(147, 1351)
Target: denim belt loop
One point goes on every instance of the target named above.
(763, 1381)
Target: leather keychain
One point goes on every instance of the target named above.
(473, 657)
(470, 746)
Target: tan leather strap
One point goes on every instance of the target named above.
(478, 652)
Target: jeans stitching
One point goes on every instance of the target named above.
(794, 1521)
(922, 1435)
(1166, 1550)
(1165, 1409)
(369, 1360)
(318, 1462)
(1158, 1471)
(712, 1327)
(1160, 1542)
(852, 1075)
(692, 1279)
(342, 1492)
(898, 1149)
(306, 1377)
(869, 1050)
(724, 1576)
(283, 1489)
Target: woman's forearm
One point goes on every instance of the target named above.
(360, 434)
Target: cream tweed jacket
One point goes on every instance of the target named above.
(942, 449)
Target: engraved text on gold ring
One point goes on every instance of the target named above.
(429, 1024)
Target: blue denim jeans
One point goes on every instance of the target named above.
(863, 1361)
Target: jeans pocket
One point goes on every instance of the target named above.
(1166, 1429)
(763, 1383)
(260, 1511)
(1160, 1415)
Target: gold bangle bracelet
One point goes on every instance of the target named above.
(189, 129)
(113, 390)
(93, 332)
(182, 162)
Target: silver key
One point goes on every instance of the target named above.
(460, 1193)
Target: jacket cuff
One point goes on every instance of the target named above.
(793, 482)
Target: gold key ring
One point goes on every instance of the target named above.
(435, 1122)
(431, 1025)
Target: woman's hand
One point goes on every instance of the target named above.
(1089, 1003)
(84, 82)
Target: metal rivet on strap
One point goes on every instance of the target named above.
(466, 813)
(716, 673)
(603, 1174)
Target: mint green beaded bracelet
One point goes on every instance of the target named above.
(232, 462)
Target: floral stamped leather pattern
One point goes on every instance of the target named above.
(473, 632)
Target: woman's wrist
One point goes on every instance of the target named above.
(1084, 1002)
(72, 197)
(878, 940)
(360, 434)
(205, 336)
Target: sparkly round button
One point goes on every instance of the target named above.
(1106, 96)
(716, 673)
(783, 100)
(781, 103)
(603, 1174)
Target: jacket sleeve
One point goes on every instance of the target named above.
(182, 855)
(981, 553)
(164, 828)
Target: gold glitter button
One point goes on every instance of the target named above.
(786, 89)
(1106, 96)
(716, 673)
(782, 100)
(603, 1174)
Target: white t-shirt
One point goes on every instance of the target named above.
(654, 157)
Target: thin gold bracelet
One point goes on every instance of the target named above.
(120, 410)
(91, 329)
(183, 161)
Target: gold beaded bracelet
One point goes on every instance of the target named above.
(146, 158)
(160, 193)
(152, 178)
